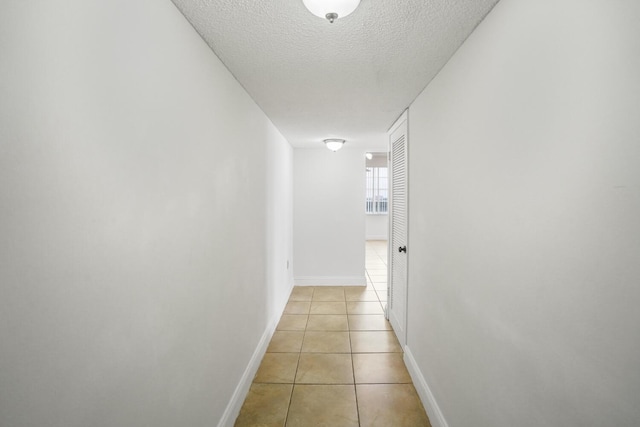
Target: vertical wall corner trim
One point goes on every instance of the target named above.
(436, 417)
(232, 410)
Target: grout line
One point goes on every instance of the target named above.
(293, 382)
(353, 371)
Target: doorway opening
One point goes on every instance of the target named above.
(377, 223)
(376, 269)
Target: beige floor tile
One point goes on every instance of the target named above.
(374, 342)
(380, 368)
(361, 295)
(368, 322)
(383, 405)
(326, 342)
(301, 293)
(285, 342)
(364, 307)
(292, 322)
(297, 307)
(318, 307)
(323, 405)
(277, 368)
(328, 294)
(325, 368)
(328, 322)
(266, 405)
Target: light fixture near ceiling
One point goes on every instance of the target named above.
(331, 9)
(334, 144)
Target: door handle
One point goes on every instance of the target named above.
(402, 249)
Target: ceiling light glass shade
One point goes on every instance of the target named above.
(331, 9)
(369, 156)
(334, 144)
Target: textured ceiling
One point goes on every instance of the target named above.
(350, 79)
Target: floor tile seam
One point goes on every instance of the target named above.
(327, 314)
(377, 352)
(273, 382)
(295, 374)
(353, 372)
(320, 352)
(371, 352)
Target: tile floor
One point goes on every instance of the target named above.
(334, 361)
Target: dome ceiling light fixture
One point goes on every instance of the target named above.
(334, 144)
(331, 9)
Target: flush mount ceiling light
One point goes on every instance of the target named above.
(369, 156)
(334, 144)
(331, 9)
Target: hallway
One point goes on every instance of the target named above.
(334, 361)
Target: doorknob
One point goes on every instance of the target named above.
(402, 249)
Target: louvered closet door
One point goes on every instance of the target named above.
(397, 305)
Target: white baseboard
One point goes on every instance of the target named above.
(242, 389)
(377, 237)
(428, 400)
(330, 281)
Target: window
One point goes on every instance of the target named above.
(377, 190)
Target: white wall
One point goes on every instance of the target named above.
(279, 216)
(144, 237)
(524, 220)
(329, 219)
(377, 227)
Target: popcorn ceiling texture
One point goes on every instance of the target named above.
(350, 79)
